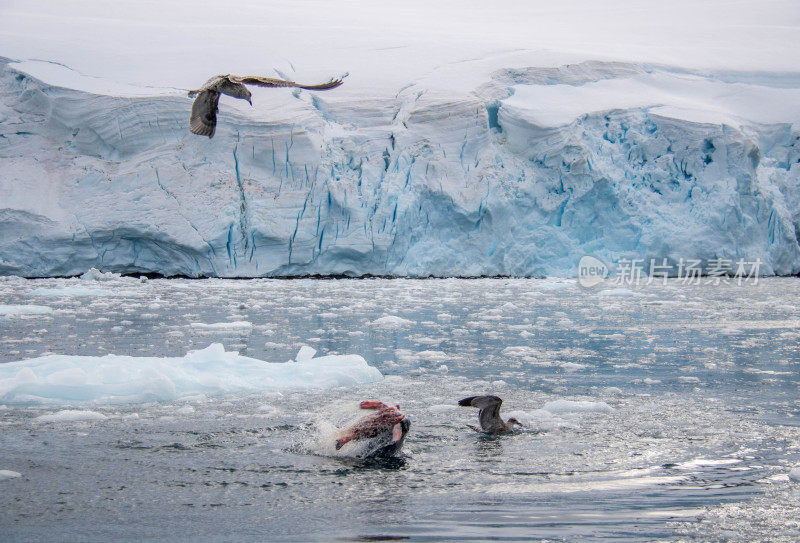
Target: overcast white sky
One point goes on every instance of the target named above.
(179, 43)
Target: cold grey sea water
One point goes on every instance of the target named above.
(662, 412)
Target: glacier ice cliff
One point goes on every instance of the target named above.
(520, 176)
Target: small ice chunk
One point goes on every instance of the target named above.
(12, 310)
(571, 406)
(71, 415)
(185, 410)
(520, 351)
(391, 321)
(432, 356)
(794, 474)
(305, 354)
(8, 474)
(538, 419)
(233, 325)
(96, 275)
(619, 292)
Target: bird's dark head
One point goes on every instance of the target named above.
(239, 91)
(514, 422)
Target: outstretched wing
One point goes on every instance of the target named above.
(272, 82)
(489, 414)
(203, 121)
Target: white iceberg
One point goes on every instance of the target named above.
(111, 379)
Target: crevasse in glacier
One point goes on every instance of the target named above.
(521, 176)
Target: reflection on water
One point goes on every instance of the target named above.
(642, 413)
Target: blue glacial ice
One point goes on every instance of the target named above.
(522, 175)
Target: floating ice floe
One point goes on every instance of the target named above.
(234, 325)
(391, 321)
(8, 474)
(620, 292)
(433, 356)
(71, 415)
(520, 351)
(65, 379)
(13, 310)
(572, 406)
(558, 414)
